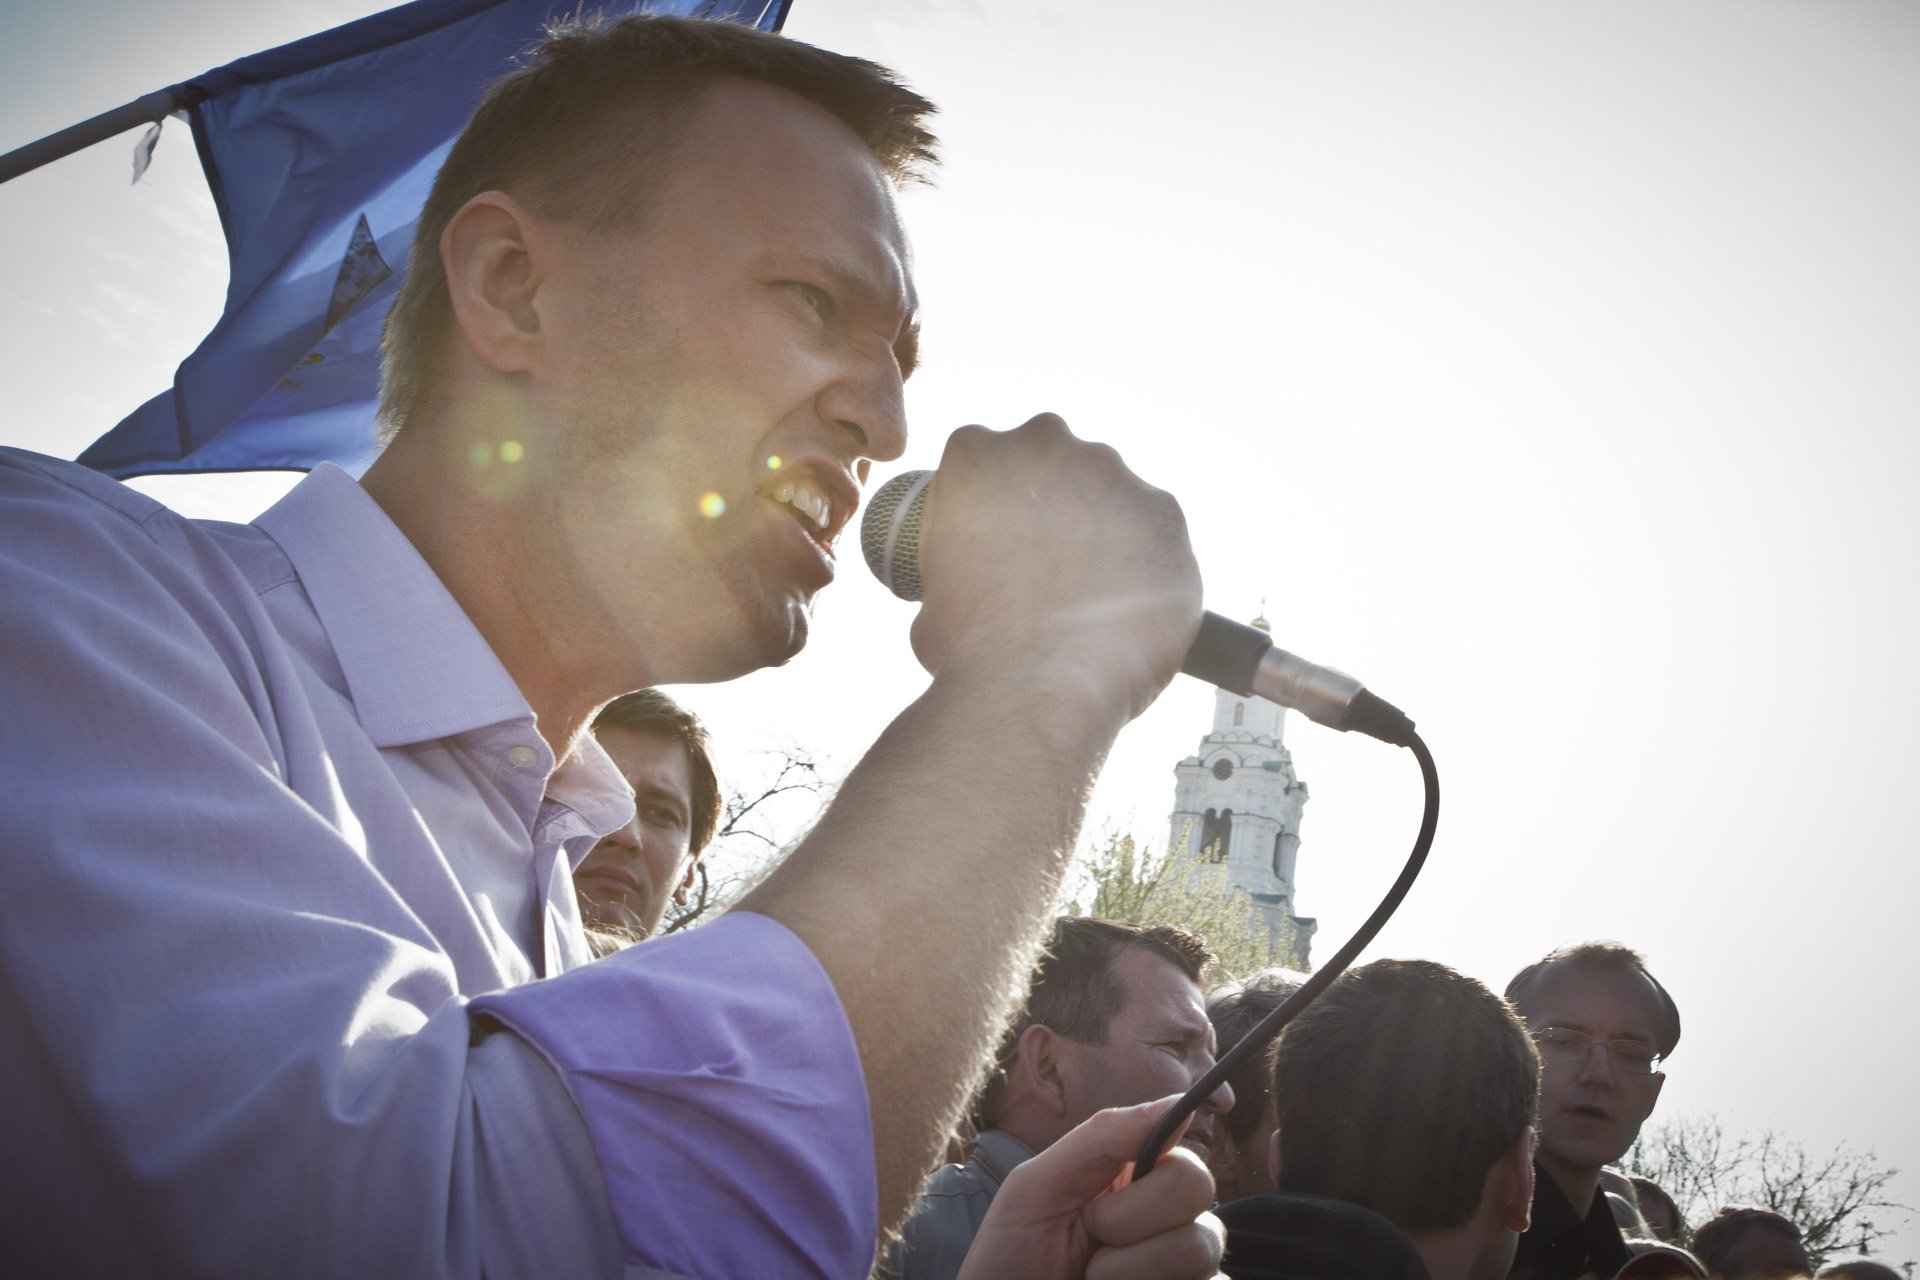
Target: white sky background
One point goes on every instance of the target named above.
(1555, 368)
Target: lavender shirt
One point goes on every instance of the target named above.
(275, 823)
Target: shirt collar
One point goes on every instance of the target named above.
(414, 663)
(590, 785)
(999, 1153)
(1552, 1211)
(1293, 1235)
(1559, 1243)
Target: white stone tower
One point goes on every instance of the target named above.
(1237, 801)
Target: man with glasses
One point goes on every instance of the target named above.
(1603, 1026)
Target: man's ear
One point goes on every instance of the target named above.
(1039, 1068)
(1510, 1183)
(1273, 1155)
(495, 252)
(686, 882)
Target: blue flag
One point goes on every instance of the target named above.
(320, 154)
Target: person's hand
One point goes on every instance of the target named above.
(1044, 558)
(1073, 1211)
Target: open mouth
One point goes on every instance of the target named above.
(806, 502)
(814, 504)
(1588, 1111)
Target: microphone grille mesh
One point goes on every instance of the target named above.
(890, 532)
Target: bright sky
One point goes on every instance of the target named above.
(1551, 367)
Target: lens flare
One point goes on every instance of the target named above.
(481, 453)
(512, 451)
(712, 506)
(773, 462)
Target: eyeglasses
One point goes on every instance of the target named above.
(1561, 1044)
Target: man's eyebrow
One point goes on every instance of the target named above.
(863, 292)
(1570, 1024)
(1182, 1024)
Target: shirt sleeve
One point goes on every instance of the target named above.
(722, 1088)
(228, 1045)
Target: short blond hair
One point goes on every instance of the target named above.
(582, 133)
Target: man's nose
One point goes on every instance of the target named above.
(1220, 1101)
(868, 403)
(1599, 1063)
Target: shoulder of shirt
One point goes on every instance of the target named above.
(934, 1237)
(87, 485)
(958, 1181)
(954, 1182)
(36, 490)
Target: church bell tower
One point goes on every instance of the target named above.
(1237, 801)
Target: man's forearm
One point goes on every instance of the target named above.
(924, 891)
(1060, 594)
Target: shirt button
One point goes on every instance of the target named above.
(522, 757)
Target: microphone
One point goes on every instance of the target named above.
(1232, 655)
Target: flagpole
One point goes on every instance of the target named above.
(150, 109)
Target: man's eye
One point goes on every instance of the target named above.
(1637, 1055)
(813, 296)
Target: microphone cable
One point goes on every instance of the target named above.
(1235, 657)
(1270, 1026)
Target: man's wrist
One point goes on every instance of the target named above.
(1065, 700)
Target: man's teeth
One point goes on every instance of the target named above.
(806, 500)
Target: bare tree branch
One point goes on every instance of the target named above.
(755, 826)
(1839, 1201)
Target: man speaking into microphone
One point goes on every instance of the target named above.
(295, 982)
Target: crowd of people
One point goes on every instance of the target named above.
(1409, 1125)
(338, 843)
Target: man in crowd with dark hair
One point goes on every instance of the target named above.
(296, 982)
(1746, 1243)
(1238, 1156)
(1405, 1096)
(627, 880)
(1114, 1018)
(1858, 1269)
(1604, 1026)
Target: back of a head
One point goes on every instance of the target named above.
(1399, 1089)
(1746, 1241)
(1858, 1269)
(1605, 956)
(584, 133)
(1075, 992)
(1657, 1260)
(1659, 1209)
(1236, 1009)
